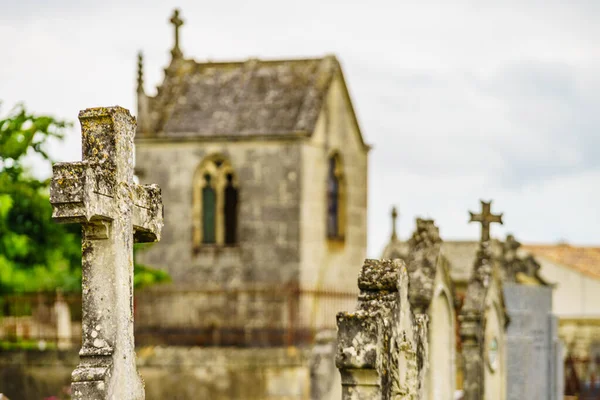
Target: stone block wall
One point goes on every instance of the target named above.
(177, 373)
(328, 264)
(268, 230)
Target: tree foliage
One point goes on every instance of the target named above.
(35, 252)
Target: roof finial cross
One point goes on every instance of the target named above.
(485, 218)
(140, 73)
(394, 218)
(177, 22)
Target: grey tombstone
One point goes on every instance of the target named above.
(533, 347)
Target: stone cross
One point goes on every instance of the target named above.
(177, 22)
(486, 218)
(394, 218)
(140, 73)
(99, 193)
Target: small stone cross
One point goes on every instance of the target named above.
(99, 193)
(177, 22)
(394, 218)
(486, 218)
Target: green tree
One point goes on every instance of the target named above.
(35, 252)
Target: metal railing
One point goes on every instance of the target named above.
(40, 320)
(244, 317)
(248, 317)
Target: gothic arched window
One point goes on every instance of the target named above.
(209, 211)
(335, 199)
(231, 203)
(215, 203)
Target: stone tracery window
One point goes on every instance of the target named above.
(215, 203)
(231, 204)
(209, 211)
(336, 198)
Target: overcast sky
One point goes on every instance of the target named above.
(460, 100)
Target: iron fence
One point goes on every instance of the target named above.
(40, 320)
(246, 317)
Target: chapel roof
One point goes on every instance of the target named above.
(243, 98)
(580, 258)
(235, 100)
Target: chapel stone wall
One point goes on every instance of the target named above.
(269, 202)
(331, 264)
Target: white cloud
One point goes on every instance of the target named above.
(462, 100)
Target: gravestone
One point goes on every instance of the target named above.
(99, 193)
(324, 378)
(482, 321)
(382, 346)
(431, 293)
(532, 344)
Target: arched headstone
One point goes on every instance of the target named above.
(441, 376)
(431, 293)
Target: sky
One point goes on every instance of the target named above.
(461, 100)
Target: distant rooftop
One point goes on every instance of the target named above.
(580, 258)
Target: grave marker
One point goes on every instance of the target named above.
(382, 346)
(99, 193)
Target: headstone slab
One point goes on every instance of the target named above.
(99, 193)
(531, 338)
(382, 346)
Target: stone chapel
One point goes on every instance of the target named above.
(263, 170)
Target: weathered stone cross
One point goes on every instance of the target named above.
(99, 193)
(394, 219)
(177, 22)
(486, 218)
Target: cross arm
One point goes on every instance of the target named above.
(147, 213)
(497, 218)
(475, 217)
(79, 194)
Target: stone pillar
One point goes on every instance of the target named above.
(99, 193)
(382, 346)
(471, 335)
